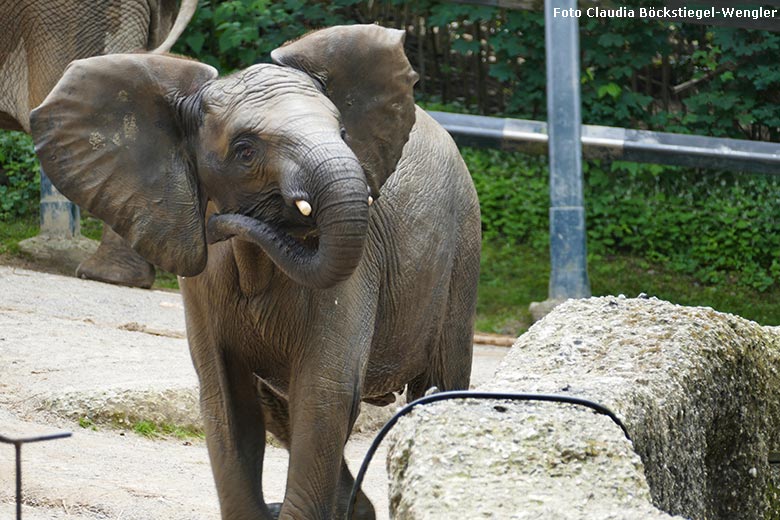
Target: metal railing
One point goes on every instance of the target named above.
(607, 142)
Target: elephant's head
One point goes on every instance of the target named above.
(288, 153)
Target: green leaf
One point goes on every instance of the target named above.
(464, 47)
(727, 76)
(611, 40)
(611, 89)
(195, 42)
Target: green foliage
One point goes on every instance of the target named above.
(513, 195)
(166, 280)
(91, 227)
(20, 183)
(13, 232)
(233, 34)
(87, 423)
(511, 277)
(720, 227)
(514, 275)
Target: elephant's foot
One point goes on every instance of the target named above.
(115, 262)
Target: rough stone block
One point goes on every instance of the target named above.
(697, 389)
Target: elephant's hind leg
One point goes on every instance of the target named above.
(364, 509)
(115, 262)
(276, 411)
(452, 350)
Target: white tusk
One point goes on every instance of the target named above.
(304, 207)
(370, 200)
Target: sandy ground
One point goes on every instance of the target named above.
(71, 348)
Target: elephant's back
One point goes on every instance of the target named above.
(425, 223)
(431, 183)
(431, 158)
(42, 38)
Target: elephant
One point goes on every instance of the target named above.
(325, 229)
(41, 38)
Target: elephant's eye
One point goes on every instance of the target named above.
(343, 134)
(244, 151)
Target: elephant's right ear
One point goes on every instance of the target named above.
(110, 137)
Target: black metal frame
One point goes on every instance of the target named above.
(17, 443)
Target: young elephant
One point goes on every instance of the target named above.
(309, 298)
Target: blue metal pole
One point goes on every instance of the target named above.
(59, 217)
(568, 273)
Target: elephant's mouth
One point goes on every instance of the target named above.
(316, 247)
(223, 227)
(302, 233)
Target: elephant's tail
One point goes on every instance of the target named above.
(186, 11)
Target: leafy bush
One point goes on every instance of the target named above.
(513, 195)
(720, 227)
(20, 183)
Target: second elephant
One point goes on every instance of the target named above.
(39, 38)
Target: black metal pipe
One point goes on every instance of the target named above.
(38, 438)
(18, 448)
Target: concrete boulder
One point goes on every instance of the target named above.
(698, 390)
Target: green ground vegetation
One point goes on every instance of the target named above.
(155, 430)
(147, 428)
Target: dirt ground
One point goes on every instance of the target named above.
(71, 349)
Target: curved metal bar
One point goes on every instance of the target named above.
(443, 396)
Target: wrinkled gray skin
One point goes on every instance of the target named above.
(292, 320)
(38, 38)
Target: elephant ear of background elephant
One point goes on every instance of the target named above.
(109, 138)
(367, 76)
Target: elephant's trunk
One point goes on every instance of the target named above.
(340, 213)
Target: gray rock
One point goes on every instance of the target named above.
(64, 254)
(539, 310)
(697, 389)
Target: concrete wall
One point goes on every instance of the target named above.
(698, 390)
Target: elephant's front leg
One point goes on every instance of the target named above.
(322, 411)
(235, 434)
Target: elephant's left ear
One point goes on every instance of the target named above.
(367, 76)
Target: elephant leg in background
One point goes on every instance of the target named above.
(454, 347)
(115, 262)
(277, 421)
(364, 509)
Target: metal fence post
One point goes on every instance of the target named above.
(60, 217)
(568, 275)
(59, 243)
